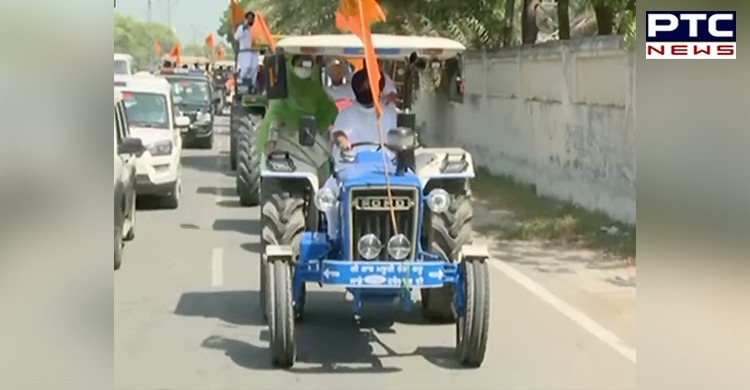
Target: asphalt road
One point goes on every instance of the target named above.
(187, 316)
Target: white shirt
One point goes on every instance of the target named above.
(390, 86)
(360, 125)
(340, 92)
(244, 38)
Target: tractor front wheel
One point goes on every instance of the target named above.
(472, 325)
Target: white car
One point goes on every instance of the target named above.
(126, 150)
(151, 117)
(124, 64)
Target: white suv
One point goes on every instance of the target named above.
(150, 115)
(125, 151)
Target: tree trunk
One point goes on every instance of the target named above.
(563, 18)
(529, 29)
(510, 9)
(605, 18)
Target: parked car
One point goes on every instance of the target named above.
(126, 150)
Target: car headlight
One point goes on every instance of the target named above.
(325, 200)
(204, 117)
(399, 247)
(369, 246)
(162, 148)
(438, 200)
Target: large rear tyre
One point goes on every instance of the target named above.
(281, 315)
(248, 162)
(472, 327)
(283, 221)
(119, 244)
(234, 115)
(449, 231)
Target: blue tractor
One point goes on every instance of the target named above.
(427, 248)
(404, 224)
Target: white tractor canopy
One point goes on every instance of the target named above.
(387, 47)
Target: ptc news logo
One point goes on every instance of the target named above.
(691, 35)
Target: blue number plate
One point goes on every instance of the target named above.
(382, 274)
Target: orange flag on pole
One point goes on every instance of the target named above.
(157, 48)
(176, 53)
(210, 41)
(236, 14)
(357, 16)
(220, 54)
(260, 29)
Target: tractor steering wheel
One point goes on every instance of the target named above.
(348, 156)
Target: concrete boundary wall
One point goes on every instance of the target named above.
(558, 115)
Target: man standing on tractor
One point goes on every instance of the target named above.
(247, 58)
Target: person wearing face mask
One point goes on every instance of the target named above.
(247, 58)
(306, 96)
(339, 90)
(356, 124)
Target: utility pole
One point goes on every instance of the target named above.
(150, 35)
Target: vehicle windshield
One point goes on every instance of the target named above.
(147, 110)
(121, 67)
(190, 91)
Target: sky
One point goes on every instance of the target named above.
(193, 20)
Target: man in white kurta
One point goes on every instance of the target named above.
(248, 60)
(355, 124)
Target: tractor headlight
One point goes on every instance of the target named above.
(400, 139)
(399, 247)
(438, 200)
(162, 148)
(369, 246)
(325, 200)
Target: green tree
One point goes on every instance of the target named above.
(137, 38)
(476, 23)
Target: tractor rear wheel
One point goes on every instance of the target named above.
(248, 161)
(449, 231)
(283, 222)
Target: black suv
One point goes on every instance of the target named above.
(194, 97)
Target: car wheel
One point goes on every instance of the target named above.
(172, 201)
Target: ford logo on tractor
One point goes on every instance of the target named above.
(381, 203)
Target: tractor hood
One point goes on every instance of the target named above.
(367, 170)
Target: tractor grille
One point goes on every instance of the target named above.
(370, 214)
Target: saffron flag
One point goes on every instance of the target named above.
(260, 29)
(157, 48)
(236, 15)
(210, 41)
(176, 53)
(220, 53)
(357, 17)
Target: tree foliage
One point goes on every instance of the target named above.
(476, 23)
(137, 38)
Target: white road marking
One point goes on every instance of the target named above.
(567, 310)
(217, 267)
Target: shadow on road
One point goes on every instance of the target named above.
(330, 339)
(233, 307)
(207, 163)
(230, 203)
(221, 191)
(245, 226)
(253, 247)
